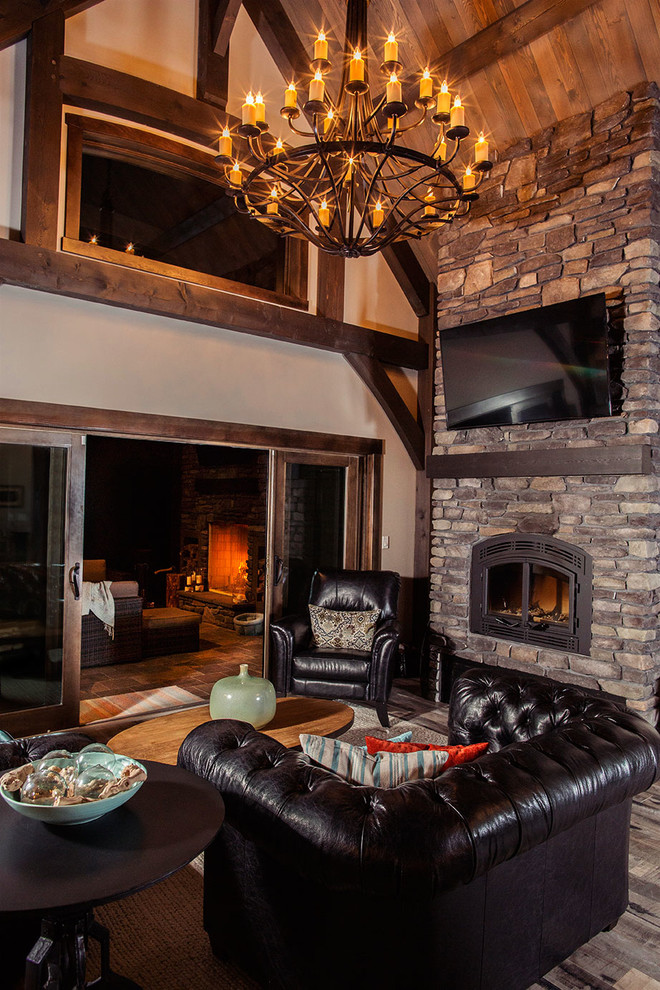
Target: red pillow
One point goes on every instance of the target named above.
(457, 754)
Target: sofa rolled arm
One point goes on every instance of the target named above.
(20, 751)
(288, 635)
(383, 659)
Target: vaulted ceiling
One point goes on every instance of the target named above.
(519, 66)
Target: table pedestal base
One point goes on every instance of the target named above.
(57, 960)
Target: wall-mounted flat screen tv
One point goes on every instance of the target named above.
(542, 364)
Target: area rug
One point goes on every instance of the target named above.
(136, 703)
(365, 722)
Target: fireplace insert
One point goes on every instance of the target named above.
(532, 589)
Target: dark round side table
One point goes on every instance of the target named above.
(62, 873)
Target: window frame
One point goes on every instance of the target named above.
(131, 144)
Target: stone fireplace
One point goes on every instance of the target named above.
(572, 211)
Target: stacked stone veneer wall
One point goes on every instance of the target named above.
(570, 212)
(224, 494)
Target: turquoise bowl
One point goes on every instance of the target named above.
(73, 814)
(246, 698)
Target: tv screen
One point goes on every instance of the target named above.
(529, 367)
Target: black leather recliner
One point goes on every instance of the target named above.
(481, 879)
(299, 667)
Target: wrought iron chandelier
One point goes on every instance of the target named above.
(354, 188)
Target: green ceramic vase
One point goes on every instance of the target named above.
(246, 698)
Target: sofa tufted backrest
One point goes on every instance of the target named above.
(505, 706)
(356, 591)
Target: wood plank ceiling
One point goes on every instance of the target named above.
(519, 66)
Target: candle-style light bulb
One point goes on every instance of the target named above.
(426, 86)
(225, 144)
(378, 214)
(394, 94)
(235, 176)
(356, 69)
(444, 98)
(260, 108)
(321, 47)
(273, 207)
(317, 88)
(469, 180)
(290, 96)
(481, 149)
(391, 48)
(279, 146)
(457, 113)
(329, 120)
(324, 214)
(249, 111)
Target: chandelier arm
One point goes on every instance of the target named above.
(296, 130)
(372, 183)
(416, 123)
(335, 192)
(256, 149)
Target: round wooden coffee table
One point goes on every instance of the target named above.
(159, 738)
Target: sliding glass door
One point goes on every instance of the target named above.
(41, 482)
(316, 522)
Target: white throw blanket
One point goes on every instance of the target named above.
(96, 598)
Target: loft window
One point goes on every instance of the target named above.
(153, 203)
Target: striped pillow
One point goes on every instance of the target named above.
(379, 770)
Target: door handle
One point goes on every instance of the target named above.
(279, 570)
(74, 580)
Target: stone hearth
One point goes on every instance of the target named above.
(572, 211)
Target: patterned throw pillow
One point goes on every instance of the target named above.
(343, 630)
(380, 770)
(456, 754)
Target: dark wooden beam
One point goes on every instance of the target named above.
(47, 415)
(115, 285)
(423, 484)
(215, 23)
(614, 459)
(330, 286)
(191, 227)
(43, 132)
(522, 25)
(379, 384)
(223, 24)
(410, 275)
(94, 87)
(17, 16)
(280, 37)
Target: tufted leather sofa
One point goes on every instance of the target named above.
(483, 879)
(299, 667)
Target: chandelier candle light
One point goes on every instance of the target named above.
(355, 188)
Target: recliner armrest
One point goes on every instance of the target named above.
(288, 635)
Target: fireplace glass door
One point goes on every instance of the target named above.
(528, 593)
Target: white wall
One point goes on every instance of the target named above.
(12, 113)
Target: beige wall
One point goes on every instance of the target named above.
(152, 39)
(60, 350)
(12, 110)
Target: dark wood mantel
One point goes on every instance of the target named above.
(613, 459)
